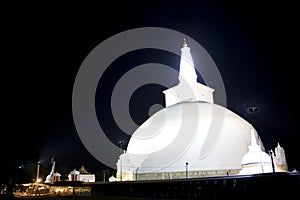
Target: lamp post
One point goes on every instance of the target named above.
(136, 173)
(271, 155)
(104, 176)
(38, 172)
(121, 147)
(186, 170)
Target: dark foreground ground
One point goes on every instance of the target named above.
(264, 186)
(71, 198)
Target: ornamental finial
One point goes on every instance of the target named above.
(184, 42)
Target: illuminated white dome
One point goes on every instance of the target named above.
(256, 161)
(206, 136)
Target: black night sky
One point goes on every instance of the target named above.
(254, 46)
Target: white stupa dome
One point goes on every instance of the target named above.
(256, 158)
(256, 161)
(205, 135)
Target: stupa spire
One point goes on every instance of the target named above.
(188, 89)
(187, 72)
(253, 142)
(253, 139)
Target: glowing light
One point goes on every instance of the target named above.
(38, 180)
